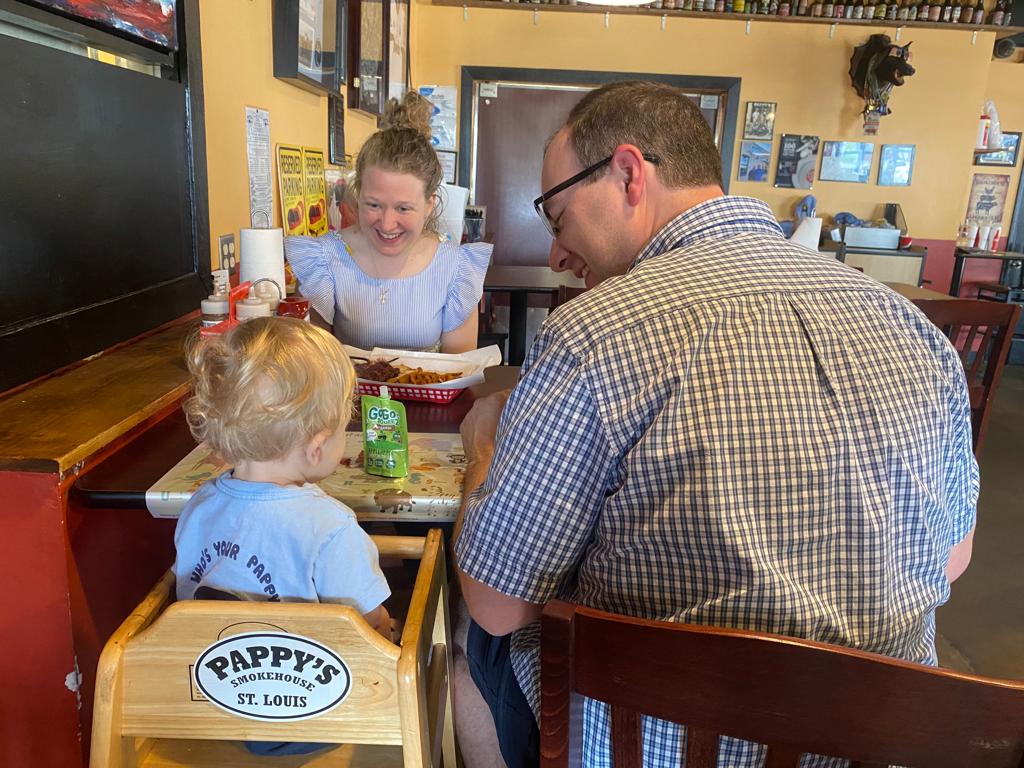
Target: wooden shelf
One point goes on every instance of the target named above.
(727, 16)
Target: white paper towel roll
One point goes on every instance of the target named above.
(263, 256)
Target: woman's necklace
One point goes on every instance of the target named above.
(384, 289)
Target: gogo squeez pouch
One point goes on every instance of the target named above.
(385, 436)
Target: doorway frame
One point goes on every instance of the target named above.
(730, 86)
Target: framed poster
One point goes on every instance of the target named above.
(1008, 157)
(146, 21)
(397, 42)
(754, 159)
(760, 120)
(309, 43)
(798, 155)
(367, 78)
(449, 164)
(847, 161)
(988, 198)
(896, 165)
(336, 129)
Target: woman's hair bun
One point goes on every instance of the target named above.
(412, 112)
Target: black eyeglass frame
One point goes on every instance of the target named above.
(538, 204)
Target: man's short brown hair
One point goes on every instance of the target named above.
(655, 118)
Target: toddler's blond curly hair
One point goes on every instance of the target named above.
(267, 386)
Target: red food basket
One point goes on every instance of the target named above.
(423, 394)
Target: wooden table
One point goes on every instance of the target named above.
(913, 292)
(123, 483)
(519, 283)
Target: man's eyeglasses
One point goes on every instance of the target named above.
(538, 204)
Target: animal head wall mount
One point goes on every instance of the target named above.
(876, 67)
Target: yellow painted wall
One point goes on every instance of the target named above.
(795, 65)
(238, 72)
(1006, 89)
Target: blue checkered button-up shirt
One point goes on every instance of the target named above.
(738, 432)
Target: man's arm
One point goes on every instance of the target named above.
(497, 613)
(960, 557)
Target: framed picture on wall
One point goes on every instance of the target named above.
(336, 129)
(367, 76)
(146, 21)
(896, 165)
(397, 65)
(798, 155)
(847, 161)
(760, 120)
(1008, 157)
(309, 43)
(755, 157)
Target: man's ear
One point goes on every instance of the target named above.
(628, 161)
(315, 447)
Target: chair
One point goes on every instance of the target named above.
(489, 330)
(795, 696)
(566, 293)
(982, 332)
(150, 711)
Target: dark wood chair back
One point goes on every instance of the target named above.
(566, 293)
(794, 696)
(982, 332)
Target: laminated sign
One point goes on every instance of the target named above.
(313, 190)
(272, 676)
(289, 178)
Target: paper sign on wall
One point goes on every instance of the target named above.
(314, 191)
(443, 117)
(261, 183)
(289, 179)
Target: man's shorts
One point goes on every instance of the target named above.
(491, 669)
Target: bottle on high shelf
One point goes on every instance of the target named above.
(698, 5)
(957, 10)
(828, 9)
(935, 12)
(903, 11)
(754, 6)
(881, 9)
(947, 11)
(858, 9)
(839, 12)
(785, 6)
(998, 14)
(801, 8)
(923, 9)
(911, 7)
(815, 10)
(978, 16)
(869, 8)
(1007, 13)
(773, 7)
(966, 11)
(719, 6)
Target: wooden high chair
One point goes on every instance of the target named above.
(149, 710)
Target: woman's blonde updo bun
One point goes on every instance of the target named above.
(402, 145)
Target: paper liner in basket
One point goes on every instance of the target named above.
(472, 364)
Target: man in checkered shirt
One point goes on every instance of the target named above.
(728, 429)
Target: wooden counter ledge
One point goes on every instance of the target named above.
(60, 421)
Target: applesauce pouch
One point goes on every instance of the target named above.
(385, 436)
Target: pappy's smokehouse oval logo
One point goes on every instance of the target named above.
(272, 676)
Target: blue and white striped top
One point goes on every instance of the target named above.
(736, 433)
(418, 308)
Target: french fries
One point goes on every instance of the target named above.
(420, 376)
